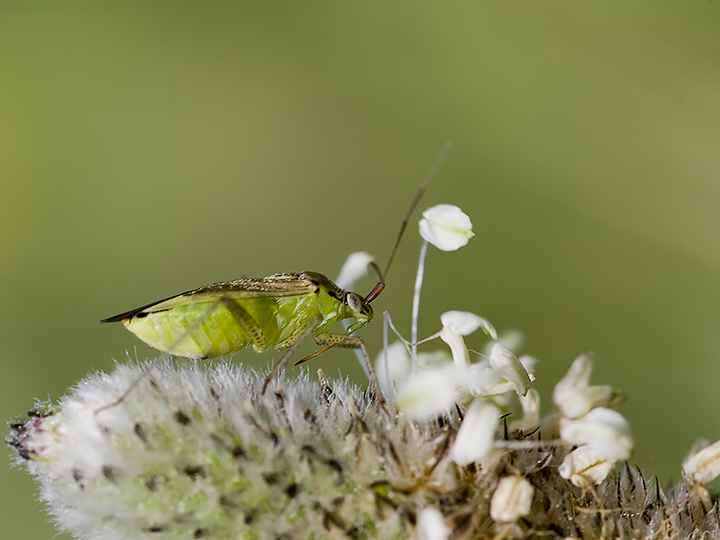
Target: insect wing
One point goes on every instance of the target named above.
(208, 322)
(277, 285)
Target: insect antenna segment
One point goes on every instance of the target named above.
(375, 292)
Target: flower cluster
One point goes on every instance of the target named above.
(586, 419)
(196, 451)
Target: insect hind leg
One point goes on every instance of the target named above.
(246, 322)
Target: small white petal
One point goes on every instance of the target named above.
(512, 499)
(585, 467)
(430, 392)
(460, 354)
(465, 323)
(485, 381)
(509, 367)
(575, 397)
(433, 359)
(476, 434)
(431, 525)
(530, 404)
(577, 403)
(446, 227)
(578, 376)
(393, 367)
(703, 466)
(603, 430)
(510, 339)
(528, 362)
(355, 267)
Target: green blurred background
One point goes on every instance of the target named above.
(147, 148)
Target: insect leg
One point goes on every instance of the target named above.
(245, 320)
(299, 338)
(354, 342)
(325, 349)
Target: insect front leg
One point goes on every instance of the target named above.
(353, 342)
(299, 337)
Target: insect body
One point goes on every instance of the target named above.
(277, 311)
(225, 317)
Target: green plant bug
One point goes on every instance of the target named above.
(267, 312)
(278, 311)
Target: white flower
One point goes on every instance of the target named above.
(355, 267)
(605, 431)
(430, 392)
(393, 367)
(446, 227)
(431, 525)
(574, 396)
(703, 466)
(510, 368)
(510, 339)
(462, 323)
(476, 434)
(512, 499)
(433, 359)
(585, 467)
(465, 323)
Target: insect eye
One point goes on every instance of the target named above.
(354, 301)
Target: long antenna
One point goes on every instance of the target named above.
(415, 202)
(418, 195)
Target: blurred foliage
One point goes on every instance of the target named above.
(149, 148)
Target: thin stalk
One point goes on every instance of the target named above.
(416, 302)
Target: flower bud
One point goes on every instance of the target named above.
(512, 499)
(603, 430)
(476, 434)
(446, 227)
(703, 466)
(431, 525)
(574, 396)
(510, 368)
(429, 393)
(585, 467)
(457, 324)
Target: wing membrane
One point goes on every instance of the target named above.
(273, 286)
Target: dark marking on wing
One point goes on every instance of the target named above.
(133, 312)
